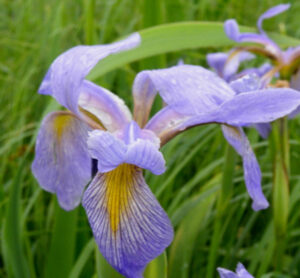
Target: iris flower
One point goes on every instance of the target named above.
(129, 225)
(241, 272)
(196, 96)
(286, 62)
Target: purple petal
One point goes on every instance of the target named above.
(144, 93)
(295, 81)
(133, 132)
(188, 89)
(227, 64)
(232, 31)
(237, 139)
(258, 107)
(167, 123)
(64, 79)
(107, 149)
(247, 83)
(233, 63)
(135, 146)
(255, 107)
(129, 225)
(225, 273)
(107, 107)
(217, 61)
(62, 164)
(270, 13)
(241, 272)
(264, 129)
(147, 156)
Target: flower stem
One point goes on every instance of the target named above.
(281, 166)
(222, 203)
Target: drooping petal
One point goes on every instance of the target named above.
(64, 79)
(188, 89)
(129, 225)
(62, 164)
(237, 139)
(246, 109)
(108, 108)
(261, 106)
(241, 272)
(270, 13)
(135, 146)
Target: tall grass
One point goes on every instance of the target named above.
(48, 242)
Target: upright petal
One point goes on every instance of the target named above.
(108, 109)
(217, 61)
(129, 225)
(188, 89)
(270, 13)
(64, 79)
(62, 164)
(236, 137)
(144, 93)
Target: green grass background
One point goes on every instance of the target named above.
(38, 239)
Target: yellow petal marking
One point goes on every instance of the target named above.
(61, 122)
(119, 185)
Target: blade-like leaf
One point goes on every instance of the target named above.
(175, 37)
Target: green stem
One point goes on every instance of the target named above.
(280, 187)
(222, 203)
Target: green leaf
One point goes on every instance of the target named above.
(181, 253)
(157, 268)
(82, 259)
(176, 37)
(12, 239)
(61, 253)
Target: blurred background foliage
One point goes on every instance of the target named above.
(38, 239)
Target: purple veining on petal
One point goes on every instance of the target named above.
(62, 164)
(129, 225)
